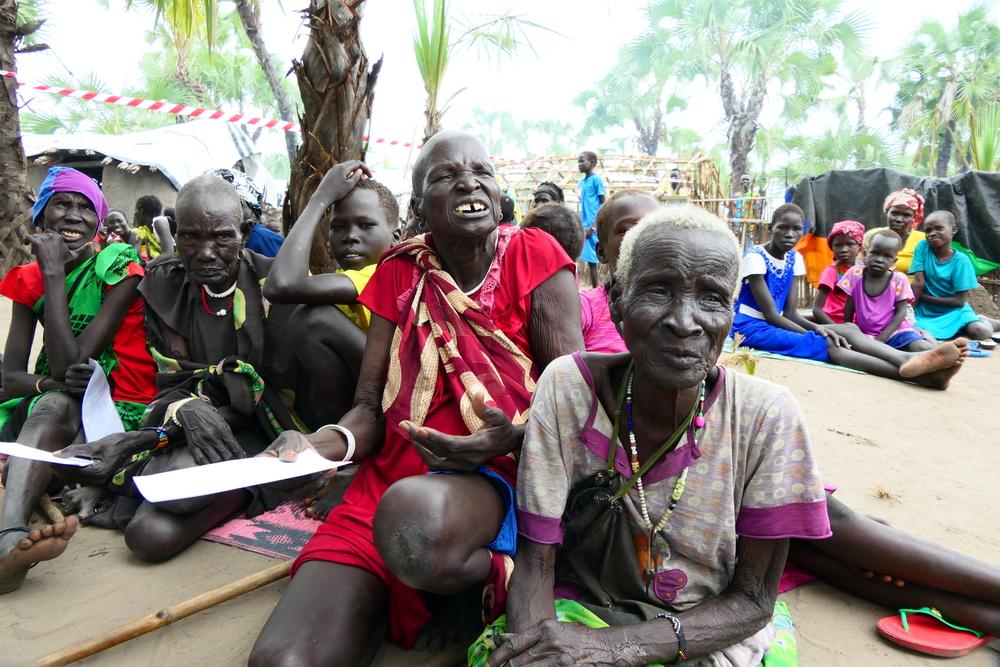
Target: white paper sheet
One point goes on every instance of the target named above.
(228, 475)
(25, 452)
(98, 413)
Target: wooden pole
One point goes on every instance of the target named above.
(51, 510)
(165, 616)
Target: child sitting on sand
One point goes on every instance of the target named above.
(878, 297)
(942, 280)
(365, 213)
(844, 240)
(364, 216)
(768, 320)
(561, 223)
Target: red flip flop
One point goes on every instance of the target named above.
(928, 632)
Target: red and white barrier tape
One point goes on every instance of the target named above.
(177, 109)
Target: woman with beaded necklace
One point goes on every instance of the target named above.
(675, 537)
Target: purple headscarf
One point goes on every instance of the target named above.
(65, 179)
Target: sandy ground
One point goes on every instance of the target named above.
(928, 462)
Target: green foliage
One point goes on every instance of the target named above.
(501, 133)
(498, 36)
(226, 76)
(944, 78)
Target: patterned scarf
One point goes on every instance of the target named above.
(908, 198)
(442, 328)
(852, 229)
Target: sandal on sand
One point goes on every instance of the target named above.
(930, 633)
(985, 344)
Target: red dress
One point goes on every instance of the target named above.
(530, 258)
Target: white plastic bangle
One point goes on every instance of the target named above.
(347, 436)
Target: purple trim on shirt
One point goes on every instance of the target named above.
(808, 521)
(538, 528)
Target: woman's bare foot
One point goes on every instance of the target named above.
(944, 356)
(40, 544)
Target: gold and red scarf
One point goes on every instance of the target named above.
(443, 328)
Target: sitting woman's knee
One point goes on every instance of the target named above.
(58, 410)
(151, 539)
(410, 530)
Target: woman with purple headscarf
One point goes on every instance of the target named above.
(89, 306)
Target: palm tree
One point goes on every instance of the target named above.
(945, 77)
(621, 97)
(337, 87)
(433, 46)
(742, 46)
(249, 11)
(15, 196)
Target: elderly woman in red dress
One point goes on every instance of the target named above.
(463, 319)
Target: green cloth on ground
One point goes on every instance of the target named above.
(728, 348)
(782, 652)
(980, 265)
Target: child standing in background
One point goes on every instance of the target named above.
(592, 195)
(845, 241)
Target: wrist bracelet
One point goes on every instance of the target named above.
(38, 385)
(682, 644)
(347, 436)
(162, 439)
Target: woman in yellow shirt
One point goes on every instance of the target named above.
(904, 212)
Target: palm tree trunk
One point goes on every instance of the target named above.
(944, 151)
(743, 129)
(15, 196)
(249, 12)
(337, 89)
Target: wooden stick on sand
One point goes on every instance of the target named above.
(51, 510)
(165, 616)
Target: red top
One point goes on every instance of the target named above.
(837, 298)
(134, 379)
(531, 258)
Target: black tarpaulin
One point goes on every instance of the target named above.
(973, 198)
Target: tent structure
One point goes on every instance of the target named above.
(157, 161)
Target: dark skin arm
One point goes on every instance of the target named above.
(365, 420)
(790, 318)
(289, 281)
(554, 330)
(17, 381)
(917, 282)
(819, 316)
(849, 309)
(897, 318)
(741, 610)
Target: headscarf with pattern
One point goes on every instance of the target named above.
(852, 229)
(244, 186)
(909, 198)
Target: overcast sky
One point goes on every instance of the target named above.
(85, 37)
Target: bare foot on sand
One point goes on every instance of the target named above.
(43, 543)
(944, 356)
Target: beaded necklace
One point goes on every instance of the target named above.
(773, 268)
(223, 311)
(649, 560)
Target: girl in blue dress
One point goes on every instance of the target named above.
(768, 320)
(942, 280)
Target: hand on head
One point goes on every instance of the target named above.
(341, 179)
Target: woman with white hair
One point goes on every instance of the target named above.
(660, 476)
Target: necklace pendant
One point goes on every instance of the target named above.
(221, 313)
(660, 551)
